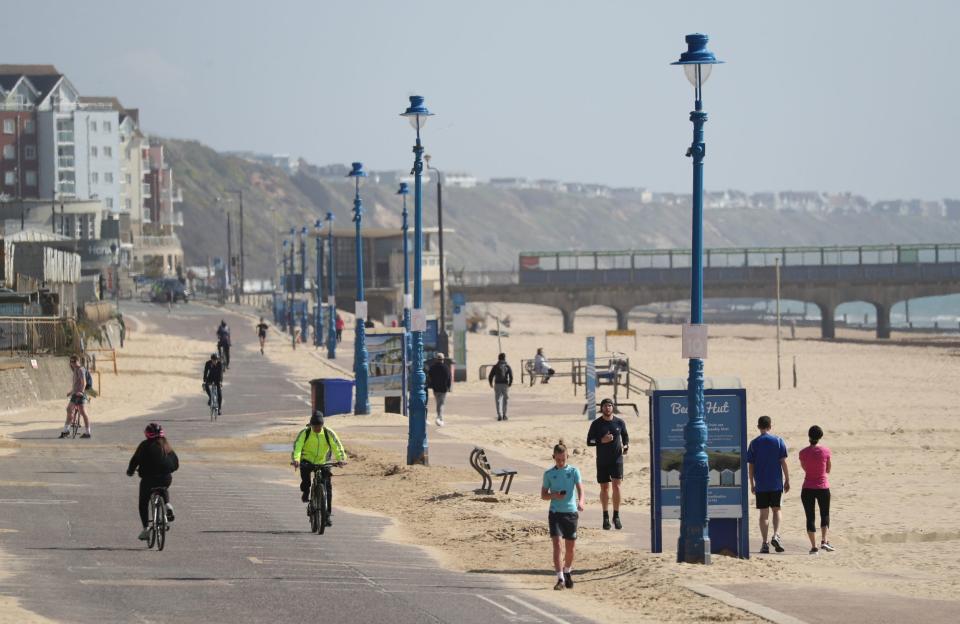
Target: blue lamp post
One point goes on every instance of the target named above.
(694, 542)
(417, 451)
(286, 284)
(362, 403)
(404, 190)
(318, 283)
(331, 302)
(292, 322)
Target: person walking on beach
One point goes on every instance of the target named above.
(500, 379)
(815, 461)
(439, 380)
(769, 479)
(339, 327)
(609, 434)
(559, 484)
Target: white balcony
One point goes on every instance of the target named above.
(145, 192)
(65, 136)
(65, 162)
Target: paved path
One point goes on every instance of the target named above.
(240, 550)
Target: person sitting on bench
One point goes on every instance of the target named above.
(542, 367)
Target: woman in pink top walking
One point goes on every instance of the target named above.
(815, 461)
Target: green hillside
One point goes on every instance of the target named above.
(492, 225)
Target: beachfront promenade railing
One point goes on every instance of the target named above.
(740, 257)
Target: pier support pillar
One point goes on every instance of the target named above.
(827, 326)
(567, 320)
(622, 315)
(883, 319)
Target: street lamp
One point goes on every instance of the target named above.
(404, 190)
(318, 321)
(417, 451)
(362, 404)
(115, 256)
(331, 302)
(241, 274)
(443, 342)
(286, 281)
(694, 543)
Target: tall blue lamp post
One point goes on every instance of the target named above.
(404, 190)
(694, 542)
(318, 321)
(362, 403)
(286, 285)
(417, 115)
(331, 302)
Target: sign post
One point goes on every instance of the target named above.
(591, 378)
(727, 494)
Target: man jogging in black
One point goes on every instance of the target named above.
(609, 434)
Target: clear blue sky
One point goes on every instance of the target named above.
(816, 95)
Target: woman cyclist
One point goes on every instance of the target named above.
(154, 460)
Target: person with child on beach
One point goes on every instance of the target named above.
(769, 479)
(559, 484)
(816, 464)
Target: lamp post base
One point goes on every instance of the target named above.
(693, 546)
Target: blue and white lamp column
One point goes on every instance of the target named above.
(694, 542)
(318, 321)
(417, 451)
(404, 190)
(332, 300)
(286, 286)
(360, 358)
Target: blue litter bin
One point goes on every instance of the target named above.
(332, 396)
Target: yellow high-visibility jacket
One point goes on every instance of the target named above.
(318, 448)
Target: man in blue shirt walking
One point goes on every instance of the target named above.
(769, 479)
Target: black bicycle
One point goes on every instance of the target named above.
(157, 518)
(321, 496)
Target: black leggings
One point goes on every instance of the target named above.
(811, 497)
(146, 489)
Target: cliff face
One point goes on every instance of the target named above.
(491, 225)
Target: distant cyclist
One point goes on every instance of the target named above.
(213, 380)
(154, 460)
(77, 397)
(223, 342)
(315, 445)
(262, 328)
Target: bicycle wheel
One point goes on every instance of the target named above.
(321, 512)
(314, 505)
(151, 527)
(75, 424)
(160, 521)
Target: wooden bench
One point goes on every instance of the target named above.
(480, 463)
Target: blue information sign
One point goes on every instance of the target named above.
(727, 494)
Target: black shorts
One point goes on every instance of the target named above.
(563, 524)
(609, 470)
(76, 399)
(769, 499)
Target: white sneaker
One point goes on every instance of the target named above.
(439, 422)
(144, 534)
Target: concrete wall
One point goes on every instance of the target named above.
(23, 387)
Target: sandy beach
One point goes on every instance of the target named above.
(888, 418)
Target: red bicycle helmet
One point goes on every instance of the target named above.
(153, 430)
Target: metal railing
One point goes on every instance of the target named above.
(32, 335)
(482, 278)
(740, 257)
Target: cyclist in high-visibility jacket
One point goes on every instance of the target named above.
(314, 445)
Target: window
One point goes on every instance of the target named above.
(30, 152)
(31, 178)
(108, 152)
(108, 178)
(8, 178)
(93, 151)
(129, 154)
(9, 152)
(109, 201)
(128, 204)
(94, 177)
(8, 126)
(93, 126)
(107, 126)
(128, 179)
(28, 127)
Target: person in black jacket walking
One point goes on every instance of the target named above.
(439, 380)
(154, 460)
(501, 378)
